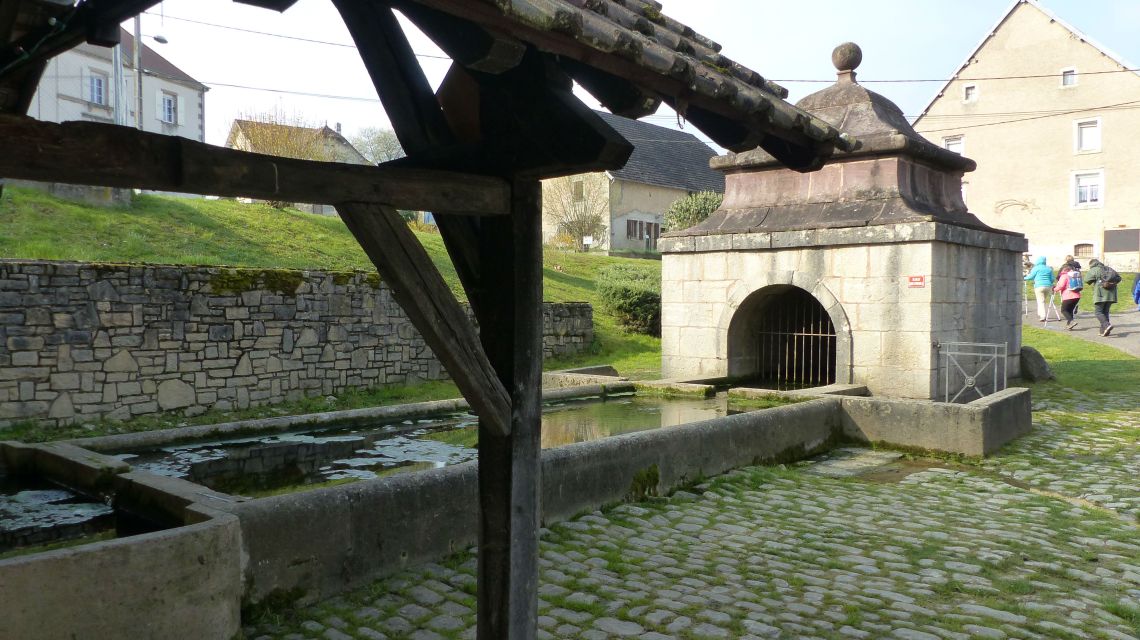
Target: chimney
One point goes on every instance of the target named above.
(338, 127)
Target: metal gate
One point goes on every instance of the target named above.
(972, 370)
(796, 343)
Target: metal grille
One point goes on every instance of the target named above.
(796, 343)
(972, 370)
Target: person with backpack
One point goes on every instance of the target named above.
(1069, 285)
(1042, 276)
(1103, 279)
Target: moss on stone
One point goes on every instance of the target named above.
(272, 606)
(644, 483)
(283, 281)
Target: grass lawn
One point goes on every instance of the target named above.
(165, 230)
(1086, 367)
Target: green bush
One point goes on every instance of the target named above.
(693, 208)
(632, 293)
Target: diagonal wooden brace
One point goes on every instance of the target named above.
(420, 290)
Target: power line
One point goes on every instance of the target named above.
(925, 80)
(296, 93)
(1131, 104)
(282, 36)
(801, 80)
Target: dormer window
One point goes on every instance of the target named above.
(970, 93)
(1068, 77)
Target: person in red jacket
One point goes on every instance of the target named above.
(1069, 298)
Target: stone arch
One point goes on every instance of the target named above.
(742, 291)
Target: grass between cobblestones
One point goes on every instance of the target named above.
(1039, 541)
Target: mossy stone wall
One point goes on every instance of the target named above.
(84, 341)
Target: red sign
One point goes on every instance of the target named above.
(916, 282)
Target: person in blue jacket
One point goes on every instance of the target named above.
(1042, 276)
(1136, 292)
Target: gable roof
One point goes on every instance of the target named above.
(1005, 16)
(341, 149)
(665, 157)
(152, 62)
(630, 56)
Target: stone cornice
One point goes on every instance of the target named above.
(912, 232)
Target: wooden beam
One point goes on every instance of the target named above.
(276, 5)
(400, 81)
(421, 292)
(50, 40)
(553, 133)
(468, 44)
(619, 95)
(509, 467)
(113, 156)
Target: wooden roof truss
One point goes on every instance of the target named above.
(504, 118)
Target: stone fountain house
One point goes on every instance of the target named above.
(856, 273)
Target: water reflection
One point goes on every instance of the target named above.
(270, 464)
(35, 511)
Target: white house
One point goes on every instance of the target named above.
(79, 85)
(1050, 118)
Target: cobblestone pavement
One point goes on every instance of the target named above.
(1039, 542)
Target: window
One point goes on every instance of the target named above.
(579, 189)
(643, 232)
(1083, 251)
(1068, 77)
(169, 112)
(970, 93)
(1087, 138)
(1088, 189)
(97, 88)
(957, 144)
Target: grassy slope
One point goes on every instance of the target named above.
(194, 231)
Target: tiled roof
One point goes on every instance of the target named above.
(665, 157)
(152, 62)
(341, 149)
(633, 40)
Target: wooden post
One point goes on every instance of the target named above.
(509, 467)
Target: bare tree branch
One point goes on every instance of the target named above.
(578, 206)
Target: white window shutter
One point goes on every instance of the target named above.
(158, 105)
(180, 111)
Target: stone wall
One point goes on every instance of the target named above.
(969, 290)
(84, 341)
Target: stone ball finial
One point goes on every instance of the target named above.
(847, 56)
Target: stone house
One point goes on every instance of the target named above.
(294, 141)
(666, 165)
(1038, 105)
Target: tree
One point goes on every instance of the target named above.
(691, 209)
(277, 133)
(578, 205)
(377, 144)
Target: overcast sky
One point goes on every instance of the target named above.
(784, 41)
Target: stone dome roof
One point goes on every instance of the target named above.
(874, 121)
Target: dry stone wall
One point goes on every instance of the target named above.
(81, 341)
